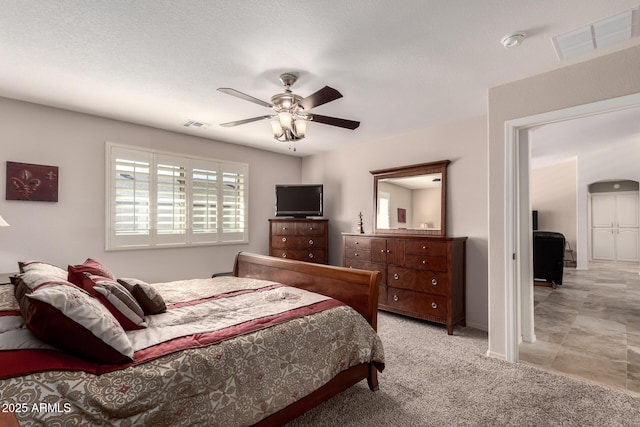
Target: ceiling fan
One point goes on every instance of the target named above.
(289, 122)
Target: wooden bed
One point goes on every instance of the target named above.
(355, 288)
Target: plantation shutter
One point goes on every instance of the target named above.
(234, 202)
(204, 202)
(129, 204)
(157, 199)
(171, 200)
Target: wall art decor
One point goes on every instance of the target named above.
(32, 182)
(402, 215)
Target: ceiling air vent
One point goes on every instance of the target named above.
(194, 124)
(614, 29)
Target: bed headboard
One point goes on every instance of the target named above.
(356, 288)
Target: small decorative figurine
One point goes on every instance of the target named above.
(360, 228)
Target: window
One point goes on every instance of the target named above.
(383, 210)
(159, 200)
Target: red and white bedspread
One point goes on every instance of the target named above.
(228, 351)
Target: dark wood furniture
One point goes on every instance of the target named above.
(356, 288)
(423, 271)
(422, 276)
(299, 239)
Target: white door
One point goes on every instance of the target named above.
(627, 244)
(604, 244)
(615, 234)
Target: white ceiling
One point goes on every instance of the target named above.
(401, 65)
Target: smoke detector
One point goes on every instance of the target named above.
(512, 40)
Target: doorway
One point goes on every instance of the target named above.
(519, 296)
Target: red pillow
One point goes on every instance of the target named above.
(91, 266)
(117, 299)
(65, 316)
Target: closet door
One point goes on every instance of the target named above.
(627, 227)
(627, 244)
(615, 234)
(604, 244)
(602, 233)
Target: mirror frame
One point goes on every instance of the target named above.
(406, 171)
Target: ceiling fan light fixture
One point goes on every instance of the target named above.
(286, 119)
(300, 127)
(277, 128)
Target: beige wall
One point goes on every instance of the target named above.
(606, 77)
(71, 230)
(348, 190)
(553, 195)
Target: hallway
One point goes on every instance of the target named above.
(590, 326)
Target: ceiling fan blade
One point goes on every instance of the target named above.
(244, 96)
(242, 122)
(324, 95)
(334, 121)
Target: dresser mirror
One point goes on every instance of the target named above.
(411, 199)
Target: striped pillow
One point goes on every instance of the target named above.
(117, 299)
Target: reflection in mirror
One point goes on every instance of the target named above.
(411, 199)
(410, 202)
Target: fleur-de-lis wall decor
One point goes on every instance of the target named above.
(32, 182)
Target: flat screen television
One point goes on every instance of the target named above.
(299, 201)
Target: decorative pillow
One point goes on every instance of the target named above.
(67, 317)
(117, 299)
(147, 296)
(91, 266)
(36, 277)
(43, 268)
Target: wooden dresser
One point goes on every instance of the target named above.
(299, 239)
(422, 276)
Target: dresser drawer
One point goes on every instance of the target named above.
(297, 242)
(418, 302)
(426, 248)
(357, 254)
(358, 263)
(354, 242)
(429, 281)
(310, 228)
(283, 228)
(435, 263)
(300, 255)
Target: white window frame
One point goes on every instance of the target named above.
(181, 231)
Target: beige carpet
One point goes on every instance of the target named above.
(432, 379)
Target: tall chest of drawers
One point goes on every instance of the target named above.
(422, 277)
(299, 239)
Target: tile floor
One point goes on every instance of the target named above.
(590, 326)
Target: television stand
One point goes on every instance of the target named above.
(302, 239)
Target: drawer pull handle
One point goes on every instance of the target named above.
(434, 282)
(284, 239)
(396, 298)
(311, 228)
(424, 261)
(284, 254)
(311, 241)
(357, 254)
(310, 255)
(424, 247)
(357, 243)
(396, 276)
(284, 228)
(434, 305)
(381, 250)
